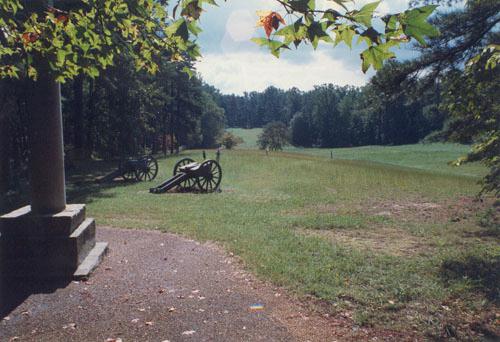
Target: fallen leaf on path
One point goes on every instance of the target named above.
(188, 332)
(135, 320)
(172, 309)
(69, 326)
(149, 323)
(6, 318)
(141, 309)
(195, 291)
(114, 340)
(15, 338)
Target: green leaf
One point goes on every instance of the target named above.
(316, 32)
(302, 5)
(375, 56)
(331, 15)
(415, 23)
(344, 34)
(188, 71)
(260, 41)
(365, 14)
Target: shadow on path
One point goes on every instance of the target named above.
(14, 292)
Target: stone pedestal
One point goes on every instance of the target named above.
(60, 245)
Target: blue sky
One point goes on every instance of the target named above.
(234, 64)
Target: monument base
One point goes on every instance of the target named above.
(60, 245)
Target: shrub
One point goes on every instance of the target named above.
(229, 140)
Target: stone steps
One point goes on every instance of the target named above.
(48, 246)
(92, 260)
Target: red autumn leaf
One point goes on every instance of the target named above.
(30, 37)
(270, 21)
(61, 16)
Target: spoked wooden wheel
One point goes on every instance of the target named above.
(148, 169)
(188, 184)
(130, 175)
(212, 175)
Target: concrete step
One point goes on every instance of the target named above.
(82, 240)
(91, 261)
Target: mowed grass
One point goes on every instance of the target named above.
(366, 239)
(430, 157)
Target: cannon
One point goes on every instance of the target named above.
(144, 168)
(189, 175)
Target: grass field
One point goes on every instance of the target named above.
(430, 157)
(390, 246)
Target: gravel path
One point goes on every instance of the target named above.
(156, 286)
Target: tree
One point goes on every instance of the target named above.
(463, 58)
(474, 115)
(82, 36)
(212, 121)
(301, 130)
(274, 136)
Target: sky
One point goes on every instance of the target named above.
(234, 64)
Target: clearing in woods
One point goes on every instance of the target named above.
(386, 245)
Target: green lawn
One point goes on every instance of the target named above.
(431, 157)
(390, 245)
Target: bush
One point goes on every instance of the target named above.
(229, 140)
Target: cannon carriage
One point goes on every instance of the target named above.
(189, 175)
(144, 168)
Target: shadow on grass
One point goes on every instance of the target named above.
(483, 273)
(81, 185)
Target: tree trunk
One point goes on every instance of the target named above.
(5, 148)
(90, 120)
(78, 119)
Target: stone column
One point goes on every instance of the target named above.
(48, 193)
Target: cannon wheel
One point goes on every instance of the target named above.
(130, 175)
(150, 170)
(189, 183)
(211, 181)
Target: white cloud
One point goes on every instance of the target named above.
(238, 72)
(234, 64)
(241, 25)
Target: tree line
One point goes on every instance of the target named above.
(339, 116)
